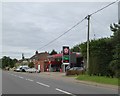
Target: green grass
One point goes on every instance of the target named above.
(98, 79)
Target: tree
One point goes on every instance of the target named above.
(31, 64)
(100, 55)
(104, 54)
(8, 62)
(115, 63)
(76, 48)
(53, 52)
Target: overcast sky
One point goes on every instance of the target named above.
(27, 26)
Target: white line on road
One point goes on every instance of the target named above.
(64, 91)
(43, 84)
(30, 80)
(15, 75)
(20, 77)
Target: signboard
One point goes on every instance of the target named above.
(66, 56)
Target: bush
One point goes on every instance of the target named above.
(74, 72)
(31, 64)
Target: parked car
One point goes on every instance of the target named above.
(75, 71)
(68, 67)
(32, 70)
(21, 68)
(77, 68)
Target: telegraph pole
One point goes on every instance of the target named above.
(88, 18)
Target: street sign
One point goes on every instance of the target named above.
(65, 50)
(66, 54)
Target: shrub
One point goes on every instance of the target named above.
(74, 72)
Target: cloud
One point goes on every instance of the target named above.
(29, 26)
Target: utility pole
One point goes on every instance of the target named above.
(88, 18)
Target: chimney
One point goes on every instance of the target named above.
(36, 52)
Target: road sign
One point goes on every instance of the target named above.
(66, 54)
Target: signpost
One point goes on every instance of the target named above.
(65, 57)
(66, 54)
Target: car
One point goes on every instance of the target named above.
(32, 70)
(77, 68)
(18, 69)
(21, 68)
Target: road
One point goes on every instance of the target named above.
(39, 83)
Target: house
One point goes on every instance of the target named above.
(40, 60)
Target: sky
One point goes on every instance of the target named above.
(28, 26)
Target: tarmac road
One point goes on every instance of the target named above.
(42, 83)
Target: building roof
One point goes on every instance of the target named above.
(40, 56)
(60, 55)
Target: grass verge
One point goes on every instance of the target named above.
(98, 79)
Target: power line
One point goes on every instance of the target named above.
(63, 33)
(78, 23)
(103, 8)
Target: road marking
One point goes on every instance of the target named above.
(63, 91)
(20, 77)
(43, 84)
(15, 75)
(30, 80)
(12, 74)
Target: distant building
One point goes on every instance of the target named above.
(56, 63)
(40, 60)
(22, 61)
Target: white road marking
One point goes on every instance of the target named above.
(20, 77)
(29, 79)
(43, 84)
(15, 75)
(63, 91)
(12, 74)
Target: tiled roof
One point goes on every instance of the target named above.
(60, 55)
(42, 55)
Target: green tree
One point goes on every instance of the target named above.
(100, 55)
(115, 63)
(76, 48)
(8, 62)
(31, 64)
(53, 52)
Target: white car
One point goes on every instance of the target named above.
(21, 68)
(77, 68)
(32, 70)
